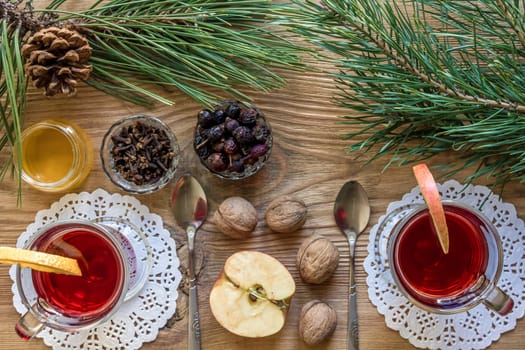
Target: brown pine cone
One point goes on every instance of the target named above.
(56, 60)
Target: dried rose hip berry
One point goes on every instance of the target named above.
(205, 118)
(230, 146)
(231, 124)
(215, 162)
(243, 135)
(232, 111)
(248, 116)
(258, 151)
(232, 141)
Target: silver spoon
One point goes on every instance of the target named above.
(190, 208)
(352, 212)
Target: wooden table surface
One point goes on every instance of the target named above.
(308, 160)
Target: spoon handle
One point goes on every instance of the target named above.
(194, 330)
(194, 336)
(353, 324)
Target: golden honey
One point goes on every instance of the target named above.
(56, 156)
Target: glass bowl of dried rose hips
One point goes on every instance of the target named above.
(232, 140)
(140, 154)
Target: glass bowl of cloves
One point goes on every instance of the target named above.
(140, 154)
(233, 140)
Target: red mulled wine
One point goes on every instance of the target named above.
(425, 271)
(98, 289)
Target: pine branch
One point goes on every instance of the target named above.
(423, 77)
(510, 12)
(13, 84)
(195, 46)
(206, 49)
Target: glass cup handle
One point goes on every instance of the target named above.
(498, 301)
(28, 325)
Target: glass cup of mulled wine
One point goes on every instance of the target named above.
(110, 272)
(445, 283)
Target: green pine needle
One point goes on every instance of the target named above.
(206, 49)
(194, 46)
(423, 77)
(11, 108)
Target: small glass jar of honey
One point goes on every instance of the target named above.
(56, 155)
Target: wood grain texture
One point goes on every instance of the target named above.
(308, 159)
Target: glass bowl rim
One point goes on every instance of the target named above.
(118, 179)
(260, 162)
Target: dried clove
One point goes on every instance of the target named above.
(142, 153)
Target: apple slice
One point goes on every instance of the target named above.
(430, 193)
(252, 294)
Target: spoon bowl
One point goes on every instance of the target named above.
(189, 203)
(352, 213)
(190, 209)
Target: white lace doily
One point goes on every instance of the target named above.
(140, 318)
(473, 329)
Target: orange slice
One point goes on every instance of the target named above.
(430, 193)
(39, 261)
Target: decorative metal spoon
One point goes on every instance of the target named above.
(352, 212)
(190, 208)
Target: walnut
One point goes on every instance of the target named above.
(236, 217)
(317, 259)
(317, 322)
(286, 214)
